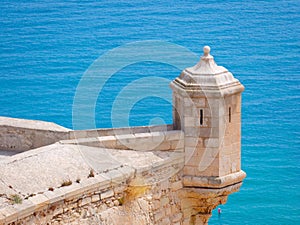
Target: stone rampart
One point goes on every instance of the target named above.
(148, 141)
(76, 134)
(128, 192)
(22, 135)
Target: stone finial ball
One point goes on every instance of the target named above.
(206, 50)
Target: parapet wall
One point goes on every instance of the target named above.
(126, 192)
(121, 196)
(22, 135)
(158, 140)
(98, 201)
(76, 134)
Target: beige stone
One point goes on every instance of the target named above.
(156, 204)
(85, 201)
(107, 194)
(10, 213)
(40, 201)
(177, 217)
(95, 198)
(176, 185)
(158, 215)
(173, 135)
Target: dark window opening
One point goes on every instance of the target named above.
(201, 116)
(229, 114)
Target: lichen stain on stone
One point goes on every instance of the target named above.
(134, 192)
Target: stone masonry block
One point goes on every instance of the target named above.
(208, 162)
(165, 145)
(102, 181)
(191, 131)
(193, 142)
(116, 176)
(186, 222)
(55, 196)
(73, 191)
(90, 185)
(156, 204)
(175, 145)
(122, 130)
(142, 129)
(164, 201)
(85, 201)
(177, 217)
(176, 185)
(2, 218)
(10, 214)
(107, 194)
(40, 201)
(78, 134)
(158, 128)
(189, 170)
(158, 136)
(120, 189)
(165, 221)
(194, 161)
(191, 121)
(124, 137)
(199, 102)
(188, 102)
(190, 111)
(158, 216)
(189, 152)
(211, 153)
(95, 198)
(108, 141)
(212, 142)
(127, 171)
(168, 210)
(173, 135)
(142, 136)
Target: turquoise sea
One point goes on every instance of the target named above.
(46, 46)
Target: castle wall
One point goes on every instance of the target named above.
(131, 193)
(106, 205)
(98, 200)
(75, 134)
(22, 135)
(158, 140)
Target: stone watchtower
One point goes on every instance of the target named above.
(207, 108)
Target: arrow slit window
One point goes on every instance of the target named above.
(201, 116)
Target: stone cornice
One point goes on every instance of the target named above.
(214, 182)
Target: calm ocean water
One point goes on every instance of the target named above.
(46, 46)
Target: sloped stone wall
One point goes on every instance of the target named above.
(107, 203)
(22, 135)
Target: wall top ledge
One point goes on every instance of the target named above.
(31, 124)
(214, 182)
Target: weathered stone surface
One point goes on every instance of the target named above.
(22, 135)
(31, 124)
(10, 213)
(37, 171)
(107, 194)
